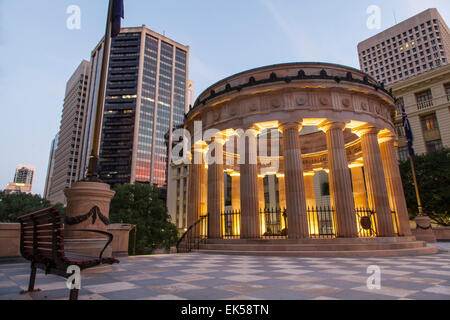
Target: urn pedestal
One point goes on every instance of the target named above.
(424, 230)
(88, 208)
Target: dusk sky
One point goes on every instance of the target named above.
(39, 53)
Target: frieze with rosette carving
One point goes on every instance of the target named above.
(302, 101)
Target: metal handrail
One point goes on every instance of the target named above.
(187, 236)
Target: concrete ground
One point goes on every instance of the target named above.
(215, 277)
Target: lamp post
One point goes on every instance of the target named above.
(88, 201)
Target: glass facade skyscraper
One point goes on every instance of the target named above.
(146, 98)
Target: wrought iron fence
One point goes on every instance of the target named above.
(194, 236)
(231, 224)
(322, 222)
(273, 223)
(367, 223)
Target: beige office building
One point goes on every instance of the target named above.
(177, 196)
(426, 99)
(67, 155)
(414, 46)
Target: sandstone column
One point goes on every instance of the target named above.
(375, 179)
(295, 185)
(394, 182)
(216, 201)
(341, 193)
(194, 185)
(250, 227)
(359, 187)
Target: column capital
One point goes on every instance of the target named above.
(387, 137)
(365, 130)
(291, 125)
(217, 138)
(330, 125)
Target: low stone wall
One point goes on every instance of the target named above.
(9, 240)
(121, 233)
(442, 233)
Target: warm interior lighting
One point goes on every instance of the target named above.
(313, 122)
(267, 125)
(354, 124)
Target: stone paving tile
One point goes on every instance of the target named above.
(213, 283)
(245, 278)
(427, 296)
(209, 294)
(442, 290)
(315, 288)
(152, 282)
(111, 287)
(342, 284)
(243, 288)
(242, 298)
(388, 291)
(301, 278)
(132, 294)
(163, 297)
(282, 294)
(351, 294)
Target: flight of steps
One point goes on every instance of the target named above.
(371, 247)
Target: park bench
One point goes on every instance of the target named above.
(42, 243)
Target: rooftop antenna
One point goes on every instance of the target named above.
(395, 17)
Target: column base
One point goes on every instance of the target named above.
(424, 230)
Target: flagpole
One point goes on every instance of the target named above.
(419, 202)
(93, 167)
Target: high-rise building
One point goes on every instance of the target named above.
(411, 47)
(51, 166)
(146, 97)
(68, 152)
(23, 180)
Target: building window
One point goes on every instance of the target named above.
(424, 99)
(403, 153)
(434, 146)
(400, 105)
(447, 91)
(400, 129)
(429, 122)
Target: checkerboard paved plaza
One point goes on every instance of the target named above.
(213, 277)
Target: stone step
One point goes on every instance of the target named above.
(313, 247)
(319, 254)
(313, 241)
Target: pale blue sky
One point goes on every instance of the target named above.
(38, 53)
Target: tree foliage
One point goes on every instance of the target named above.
(140, 205)
(433, 176)
(14, 205)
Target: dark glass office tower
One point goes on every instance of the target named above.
(146, 97)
